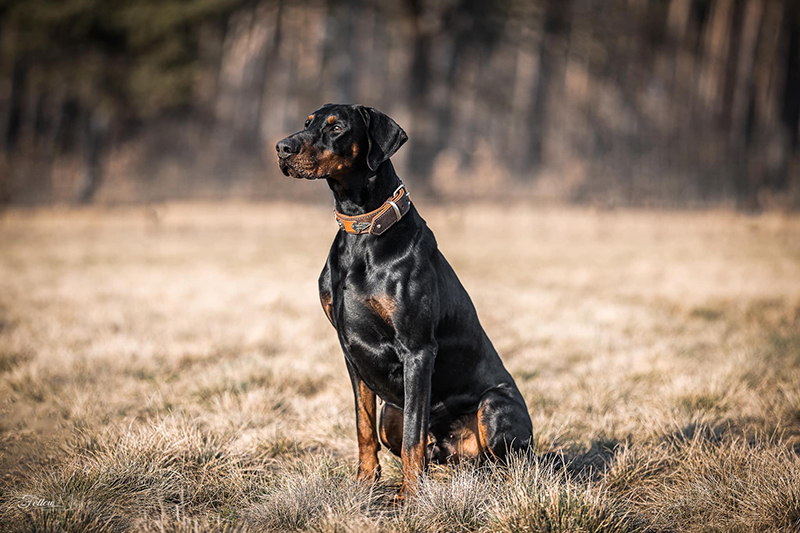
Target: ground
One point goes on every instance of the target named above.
(169, 368)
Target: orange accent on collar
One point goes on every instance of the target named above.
(377, 221)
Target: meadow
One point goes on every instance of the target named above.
(169, 368)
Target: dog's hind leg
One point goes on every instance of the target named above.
(504, 425)
(391, 429)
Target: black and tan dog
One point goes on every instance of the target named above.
(408, 329)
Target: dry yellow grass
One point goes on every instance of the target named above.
(170, 369)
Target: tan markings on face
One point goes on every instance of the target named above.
(326, 164)
(331, 119)
(355, 150)
(383, 306)
(330, 164)
(327, 305)
(310, 117)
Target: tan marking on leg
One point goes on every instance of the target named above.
(369, 468)
(327, 305)
(483, 432)
(331, 119)
(413, 465)
(383, 306)
(464, 441)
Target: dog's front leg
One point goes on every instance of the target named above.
(417, 371)
(369, 469)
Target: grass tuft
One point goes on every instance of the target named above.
(312, 496)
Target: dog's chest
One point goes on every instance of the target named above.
(365, 322)
(365, 319)
(362, 302)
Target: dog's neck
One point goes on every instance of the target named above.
(362, 192)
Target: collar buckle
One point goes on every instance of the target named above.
(366, 223)
(360, 227)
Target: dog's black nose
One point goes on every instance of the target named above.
(287, 147)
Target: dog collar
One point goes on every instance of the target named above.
(377, 221)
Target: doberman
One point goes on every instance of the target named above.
(408, 329)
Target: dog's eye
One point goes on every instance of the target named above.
(307, 123)
(337, 128)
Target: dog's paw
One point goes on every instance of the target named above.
(368, 474)
(399, 498)
(408, 490)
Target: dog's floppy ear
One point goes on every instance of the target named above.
(384, 136)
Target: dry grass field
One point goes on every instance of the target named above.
(171, 369)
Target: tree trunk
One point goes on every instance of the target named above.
(340, 42)
(522, 101)
(95, 138)
(15, 107)
(715, 56)
(678, 19)
(421, 141)
(767, 142)
(791, 105)
(264, 24)
(556, 27)
(249, 42)
(743, 86)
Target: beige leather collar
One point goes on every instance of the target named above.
(377, 221)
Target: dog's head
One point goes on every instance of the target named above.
(337, 140)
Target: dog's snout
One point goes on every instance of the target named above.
(287, 147)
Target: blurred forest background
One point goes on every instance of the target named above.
(666, 103)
